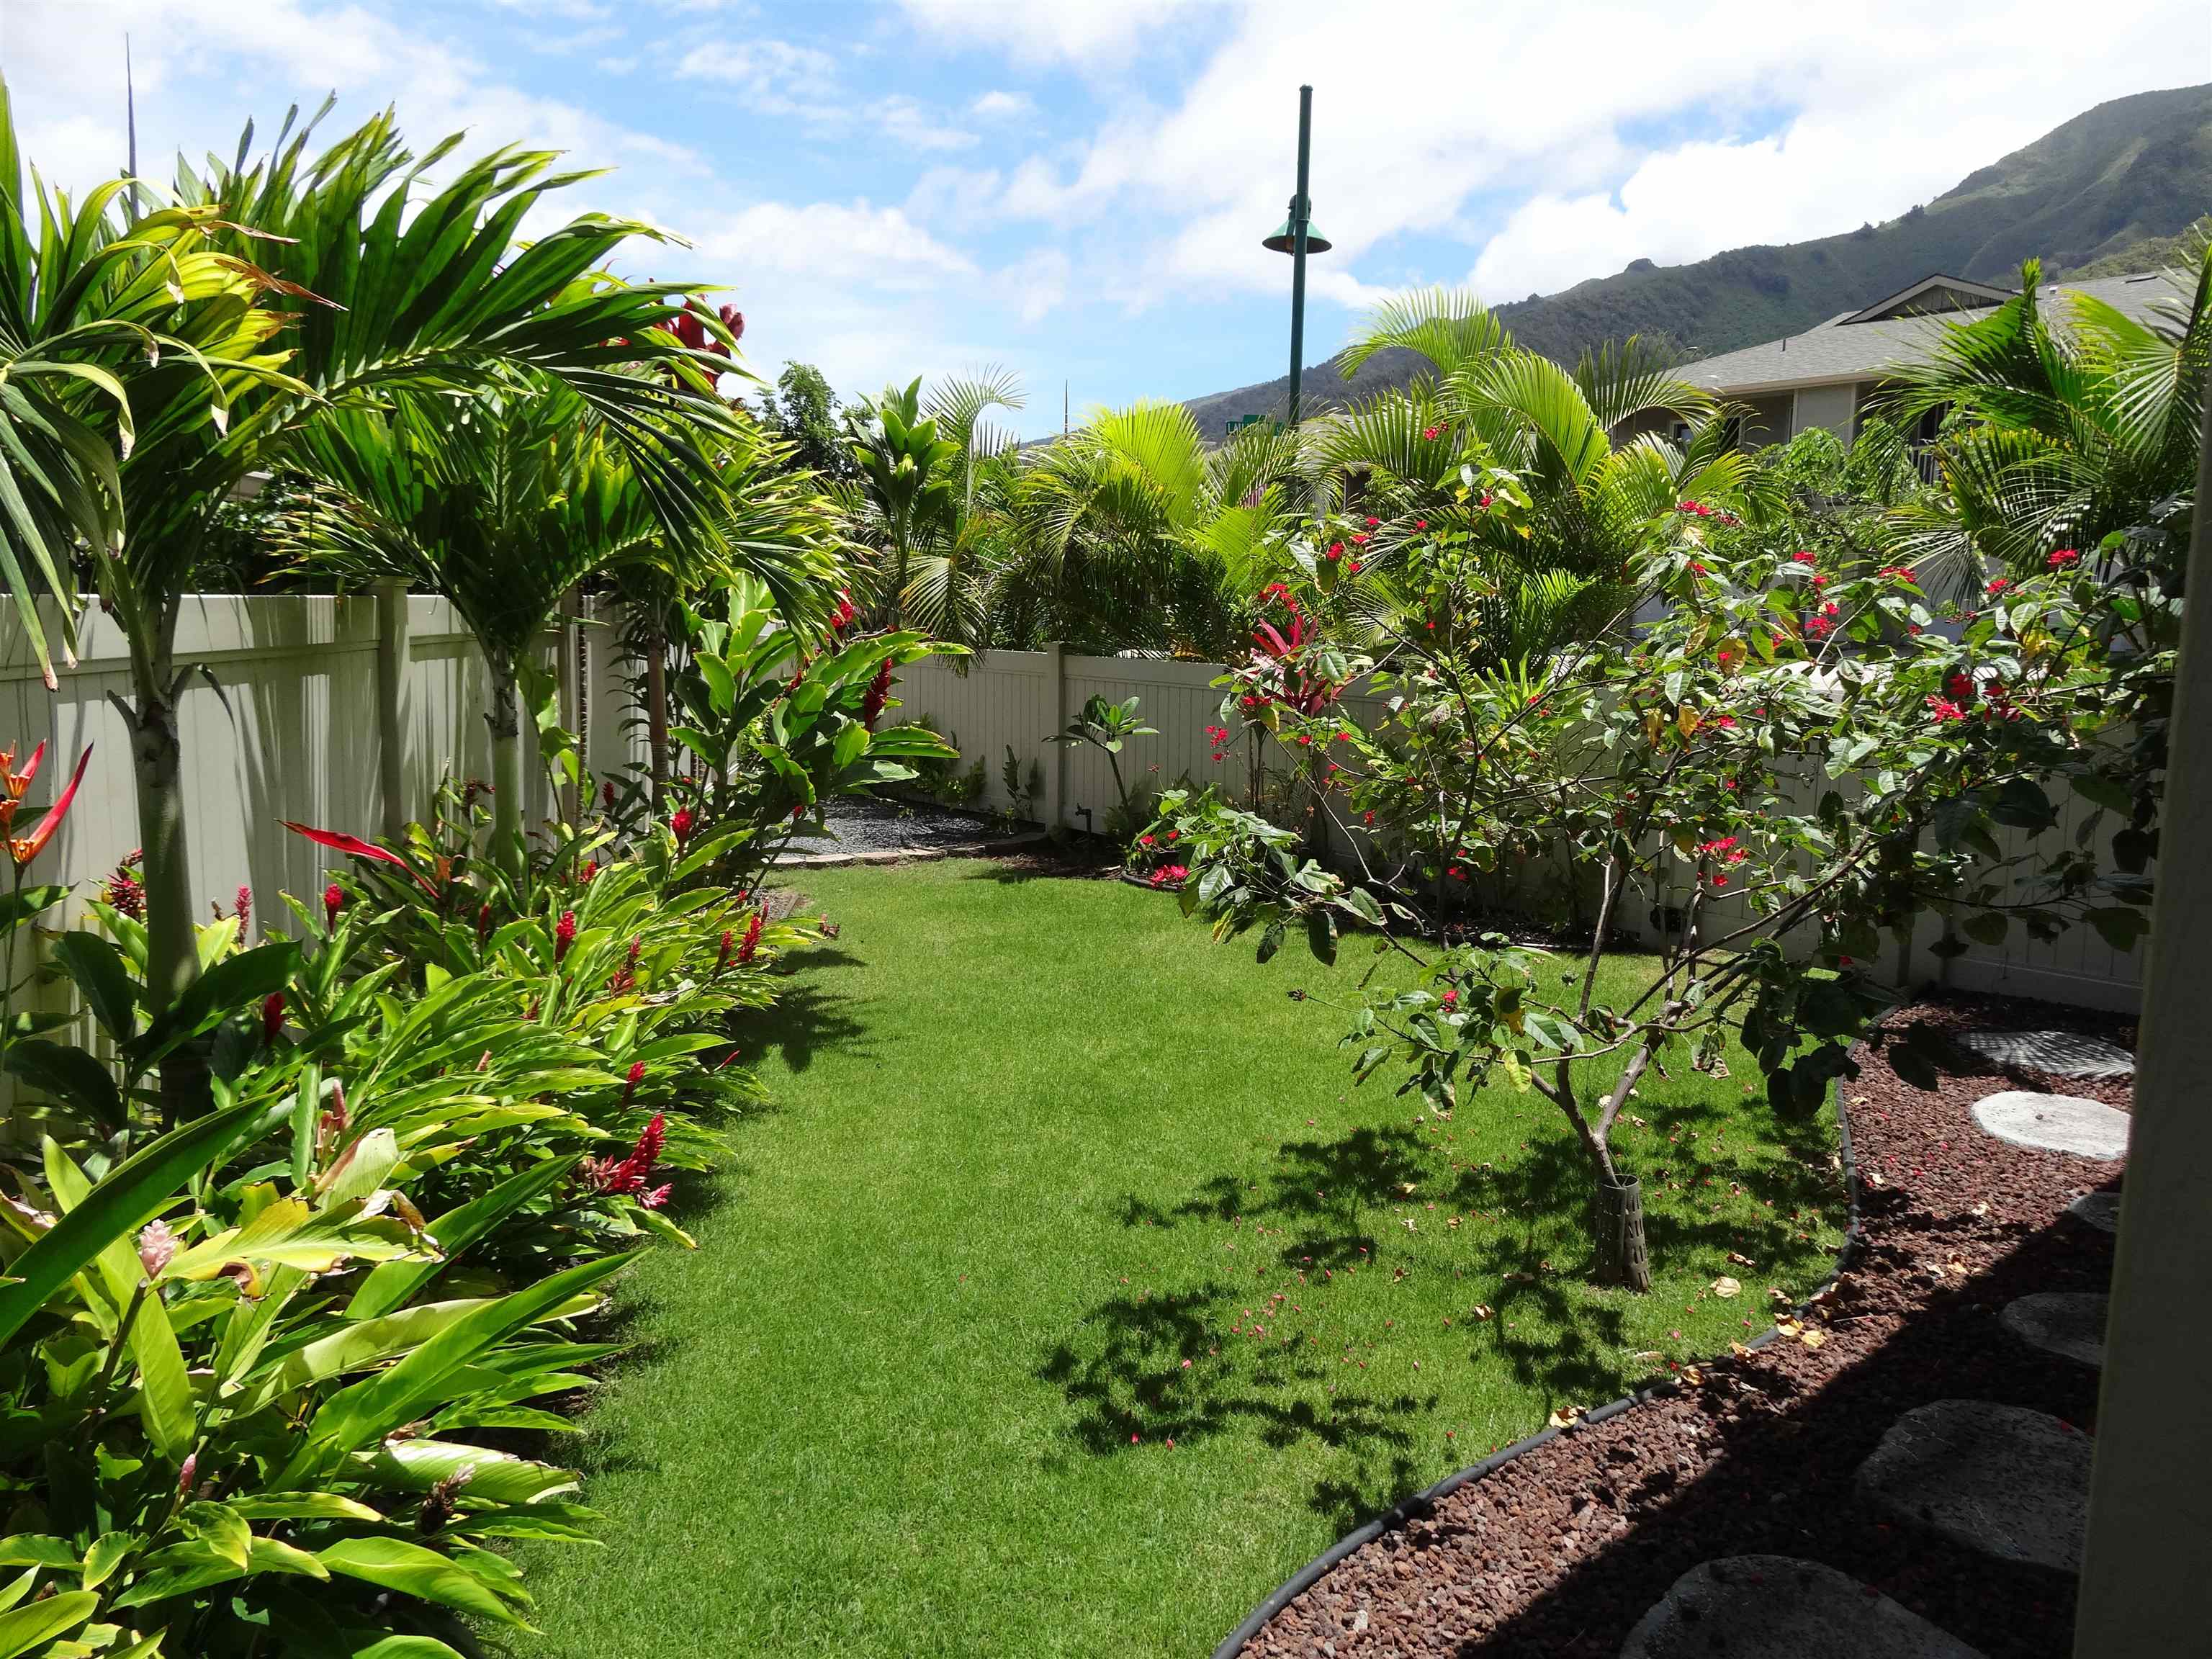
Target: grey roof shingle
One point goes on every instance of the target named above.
(1838, 350)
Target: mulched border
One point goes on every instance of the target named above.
(1557, 1545)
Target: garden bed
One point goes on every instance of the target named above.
(866, 830)
(1560, 1551)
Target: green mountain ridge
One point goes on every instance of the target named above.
(2117, 183)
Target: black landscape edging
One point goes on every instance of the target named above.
(1419, 1506)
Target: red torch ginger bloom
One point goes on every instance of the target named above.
(752, 941)
(243, 905)
(607, 795)
(636, 1077)
(591, 869)
(681, 825)
(722, 958)
(624, 978)
(628, 1175)
(334, 900)
(564, 935)
(879, 691)
(272, 1016)
(2063, 557)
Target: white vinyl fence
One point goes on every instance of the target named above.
(286, 728)
(1018, 699)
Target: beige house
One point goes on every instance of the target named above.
(1825, 376)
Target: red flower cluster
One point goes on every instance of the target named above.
(1998, 586)
(1699, 508)
(1218, 736)
(688, 328)
(1801, 557)
(879, 691)
(752, 941)
(1946, 710)
(607, 795)
(628, 1175)
(722, 956)
(564, 935)
(1169, 875)
(844, 616)
(1725, 849)
(624, 978)
(2064, 557)
(272, 1016)
(244, 904)
(123, 891)
(1900, 573)
(1431, 433)
(680, 825)
(334, 899)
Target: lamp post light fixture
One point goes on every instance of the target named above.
(1297, 237)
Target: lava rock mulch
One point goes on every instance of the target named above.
(864, 826)
(1561, 1552)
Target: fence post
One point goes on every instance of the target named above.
(1055, 701)
(2143, 1585)
(392, 661)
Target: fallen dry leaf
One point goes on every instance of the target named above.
(1565, 1415)
(1725, 1287)
(1481, 1312)
(1813, 1338)
(1741, 1261)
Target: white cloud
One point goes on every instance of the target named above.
(906, 121)
(1087, 33)
(778, 77)
(999, 105)
(1035, 284)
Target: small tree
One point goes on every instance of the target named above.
(1789, 753)
(1105, 725)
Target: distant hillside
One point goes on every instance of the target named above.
(2110, 186)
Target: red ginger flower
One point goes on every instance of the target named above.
(607, 795)
(722, 960)
(879, 691)
(751, 942)
(272, 1016)
(244, 904)
(334, 900)
(636, 1077)
(564, 935)
(624, 978)
(681, 825)
(628, 1175)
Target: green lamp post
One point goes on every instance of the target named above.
(1297, 237)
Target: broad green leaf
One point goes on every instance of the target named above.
(130, 1195)
(103, 978)
(412, 1570)
(24, 1628)
(394, 1282)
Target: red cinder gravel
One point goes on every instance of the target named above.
(1562, 1551)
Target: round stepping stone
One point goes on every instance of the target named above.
(2068, 1322)
(2061, 1053)
(2007, 1481)
(1771, 1607)
(2101, 1210)
(2055, 1123)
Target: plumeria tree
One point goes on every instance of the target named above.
(1790, 760)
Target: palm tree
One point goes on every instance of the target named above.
(1134, 533)
(501, 505)
(772, 522)
(384, 287)
(1541, 578)
(111, 329)
(921, 461)
(2060, 430)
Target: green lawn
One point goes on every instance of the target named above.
(1068, 1299)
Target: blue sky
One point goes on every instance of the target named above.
(1076, 191)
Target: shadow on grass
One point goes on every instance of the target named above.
(1157, 1365)
(806, 1015)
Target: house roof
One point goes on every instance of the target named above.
(1846, 348)
(1931, 294)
